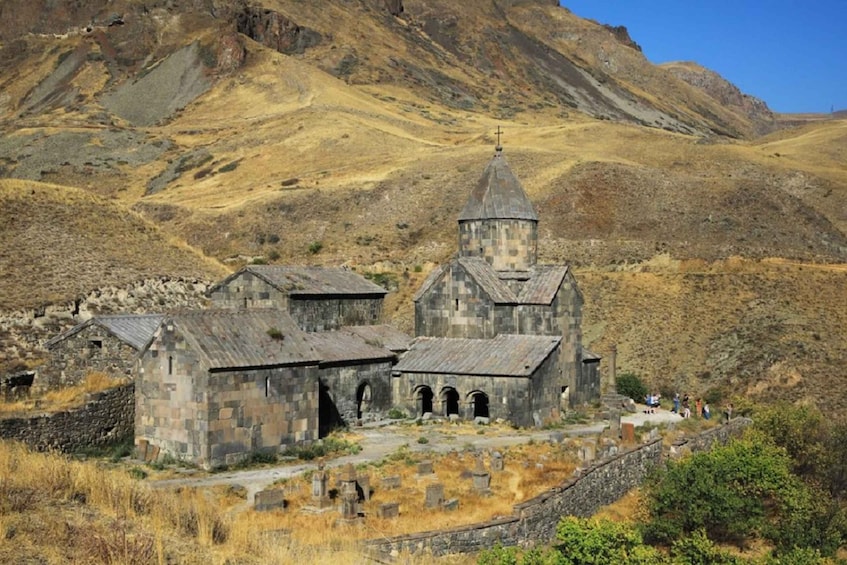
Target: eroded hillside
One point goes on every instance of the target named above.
(351, 133)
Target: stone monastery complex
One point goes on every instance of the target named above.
(288, 353)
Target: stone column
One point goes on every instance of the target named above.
(612, 374)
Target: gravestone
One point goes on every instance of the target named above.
(424, 468)
(141, 449)
(628, 432)
(390, 483)
(363, 483)
(496, 461)
(615, 423)
(450, 505)
(349, 495)
(269, 500)
(388, 510)
(587, 453)
(320, 501)
(434, 495)
(481, 478)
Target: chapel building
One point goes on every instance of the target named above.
(495, 287)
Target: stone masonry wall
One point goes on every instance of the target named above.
(92, 349)
(534, 521)
(106, 417)
(507, 245)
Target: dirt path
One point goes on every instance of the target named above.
(379, 441)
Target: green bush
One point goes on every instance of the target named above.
(396, 414)
(629, 384)
(315, 247)
(735, 492)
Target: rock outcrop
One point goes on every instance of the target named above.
(275, 30)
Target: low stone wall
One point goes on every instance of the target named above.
(106, 417)
(535, 521)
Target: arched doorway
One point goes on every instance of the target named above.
(479, 401)
(329, 417)
(424, 399)
(363, 399)
(450, 401)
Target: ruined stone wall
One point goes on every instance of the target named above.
(343, 383)
(534, 521)
(91, 349)
(326, 314)
(105, 418)
(507, 245)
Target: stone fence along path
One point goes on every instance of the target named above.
(534, 521)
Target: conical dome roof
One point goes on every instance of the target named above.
(498, 195)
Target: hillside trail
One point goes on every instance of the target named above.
(381, 439)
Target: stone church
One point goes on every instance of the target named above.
(494, 303)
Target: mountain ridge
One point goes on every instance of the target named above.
(708, 253)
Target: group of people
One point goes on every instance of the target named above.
(683, 407)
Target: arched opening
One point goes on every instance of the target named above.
(450, 401)
(424, 399)
(329, 418)
(363, 399)
(479, 401)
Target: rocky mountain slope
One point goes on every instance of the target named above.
(350, 132)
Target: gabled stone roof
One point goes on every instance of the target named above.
(539, 284)
(136, 330)
(502, 356)
(543, 284)
(486, 277)
(310, 281)
(383, 335)
(238, 339)
(498, 195)
(343, 346)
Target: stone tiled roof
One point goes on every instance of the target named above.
(487, 278)
(539, 285)
(342, 346)
(498, 195)
(504, 355)
(310, 281)
(136, 330)
(430, 280)
(231, 339)
(543, 284)
(383, 335)
(588, 356)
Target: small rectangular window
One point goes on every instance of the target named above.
(170, 365)
(457, 305)
(95, 344)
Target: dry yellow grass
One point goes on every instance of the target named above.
(61, 399)
(58, 510)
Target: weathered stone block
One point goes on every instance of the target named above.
(434, 495)
(388, 510)
(269, 500)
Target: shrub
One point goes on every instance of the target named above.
(734, 492)
(396, 414)
(629, 384)
(422, 440)
(315, 247)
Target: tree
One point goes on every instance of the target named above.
(628, 384)
(734, 492)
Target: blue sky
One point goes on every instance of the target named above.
(790, 53)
